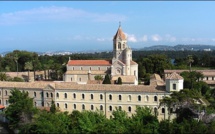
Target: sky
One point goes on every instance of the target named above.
(42, 26)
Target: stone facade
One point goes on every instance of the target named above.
(70, 96)
(121, 65)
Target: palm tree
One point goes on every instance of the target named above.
(190, 60)
(28, 66)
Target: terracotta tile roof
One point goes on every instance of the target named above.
(210, 82)
(89, 63)
(84, 87)
(119, 34)
(156, 80)
(174, 76)
(204, 72)
(2, 107)
(85, 72)
(125, 79)
(112, 88)
(133, 63)
(94, 82)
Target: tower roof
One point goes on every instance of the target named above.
(89, 63)
(120, 34)
(175, 76)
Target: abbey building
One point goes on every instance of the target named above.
(121, 65)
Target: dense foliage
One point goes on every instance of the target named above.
(149, 62)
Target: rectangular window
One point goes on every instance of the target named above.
(174, 86)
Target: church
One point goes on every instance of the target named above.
(121, 65)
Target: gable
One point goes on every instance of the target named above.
(49, 87)
(118, 63)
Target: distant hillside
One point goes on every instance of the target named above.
(192, 47)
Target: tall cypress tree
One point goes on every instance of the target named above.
(106, 80)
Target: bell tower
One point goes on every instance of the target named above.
(119, 44)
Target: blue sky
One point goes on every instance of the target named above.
(91, 25)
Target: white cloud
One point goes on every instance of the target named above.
(100, 39)
(144, 38)
(55, 13)
(131, 37)
(156, 37)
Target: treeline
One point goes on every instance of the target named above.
(149, 61)
(26, 118)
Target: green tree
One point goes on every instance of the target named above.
(191, 78)
(47, 122)
(119, 81)
(107, 79)
(98, 77)
(17, 79)
(143, 121)
(28, 66)
(3, 76)
(53, 107)
(20, 110)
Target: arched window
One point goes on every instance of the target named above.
(74, 95)
(129, 97)
(35, 94)
(163, 110)
(120, 108)
(83, 107)
(110, 108)
(119, 45)
(65, 95)
(57, 104)
(91, 96)
(101, 97)
(90, 68)
(110, 97)
(147, 98)
(71, 79)
(47, 95)
(139, 98)
(83, 96)
(129, 109)
(98, 68)
(101, 107)
(79, 79)
(74, 106)
(155, 98)
(57, 95)
(120, 97)
(5, 92)
(92, 107)
(65, 105)
(51, 95)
